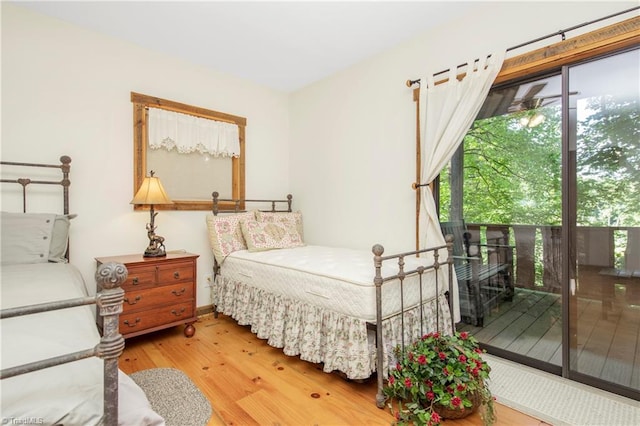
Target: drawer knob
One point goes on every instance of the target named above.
(176, 275)
(136, 300)
(134, 324)
(179, 292)
(135, 280)
(178, 314)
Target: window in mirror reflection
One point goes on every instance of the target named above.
(195, 151)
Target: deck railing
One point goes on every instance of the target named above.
(538, 250)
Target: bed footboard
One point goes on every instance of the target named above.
(380, 280)
(110, 277)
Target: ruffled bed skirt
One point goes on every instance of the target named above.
(322, 336)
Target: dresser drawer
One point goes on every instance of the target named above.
(136, 321)
(175, 272)
(139, 277)
(146, 276)
(157, 296)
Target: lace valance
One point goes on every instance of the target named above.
(187, 133)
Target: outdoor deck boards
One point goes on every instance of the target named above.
(534, 335)
(635, 375)
(530, 324)
(619, 365)
(549, 342)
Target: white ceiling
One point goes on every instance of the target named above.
(282, 45)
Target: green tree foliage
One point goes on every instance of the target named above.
(608, 159)
(512, 172)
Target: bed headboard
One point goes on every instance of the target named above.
(239, 205)
(64, 166)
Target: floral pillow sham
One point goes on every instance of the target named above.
(225, 233)
(261, 236)
(294, 218)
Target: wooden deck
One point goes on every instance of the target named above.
(608, 346)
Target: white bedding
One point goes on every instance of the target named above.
(316, 302)
(67, 394)
(339, 279)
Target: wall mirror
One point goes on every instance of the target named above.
(189, 176)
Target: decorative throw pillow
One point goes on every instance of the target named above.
(225, 234)
(262, 236)
(26, 237)
(294, 218)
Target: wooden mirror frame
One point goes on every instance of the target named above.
(140, 105)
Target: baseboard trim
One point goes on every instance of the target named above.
(204, 310)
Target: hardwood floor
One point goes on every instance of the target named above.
(251, 383)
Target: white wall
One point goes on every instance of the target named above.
(348, 140)
(66, 90)
(353, 134)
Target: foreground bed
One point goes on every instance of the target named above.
(347, 309)
(56, 368)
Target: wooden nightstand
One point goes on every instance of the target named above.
(160, 292)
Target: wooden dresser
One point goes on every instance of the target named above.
(160, 292)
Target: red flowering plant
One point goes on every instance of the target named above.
(439, 377)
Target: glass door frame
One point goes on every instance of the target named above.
(569, 236)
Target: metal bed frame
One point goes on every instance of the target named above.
(109, 277)
(379, 280)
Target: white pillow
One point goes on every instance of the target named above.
(60, 238)
(26, 237)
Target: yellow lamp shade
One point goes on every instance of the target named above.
(151, 192)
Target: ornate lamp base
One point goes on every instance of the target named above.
(154, 252)
(156, 246)
(156, 242)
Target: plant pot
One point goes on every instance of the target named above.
(459, 413)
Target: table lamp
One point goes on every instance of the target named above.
(152, 193)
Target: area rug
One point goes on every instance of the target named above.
(556, 400)
(174, 396)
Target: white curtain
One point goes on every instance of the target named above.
(447, 111)
(187, 133)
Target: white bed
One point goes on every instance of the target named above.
(56, 369)
(322, 303)
(337, 279)
(69, 394)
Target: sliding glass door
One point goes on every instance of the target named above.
(603, 175)
(551, 168)
(512, 185)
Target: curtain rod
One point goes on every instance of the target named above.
(559, 32)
